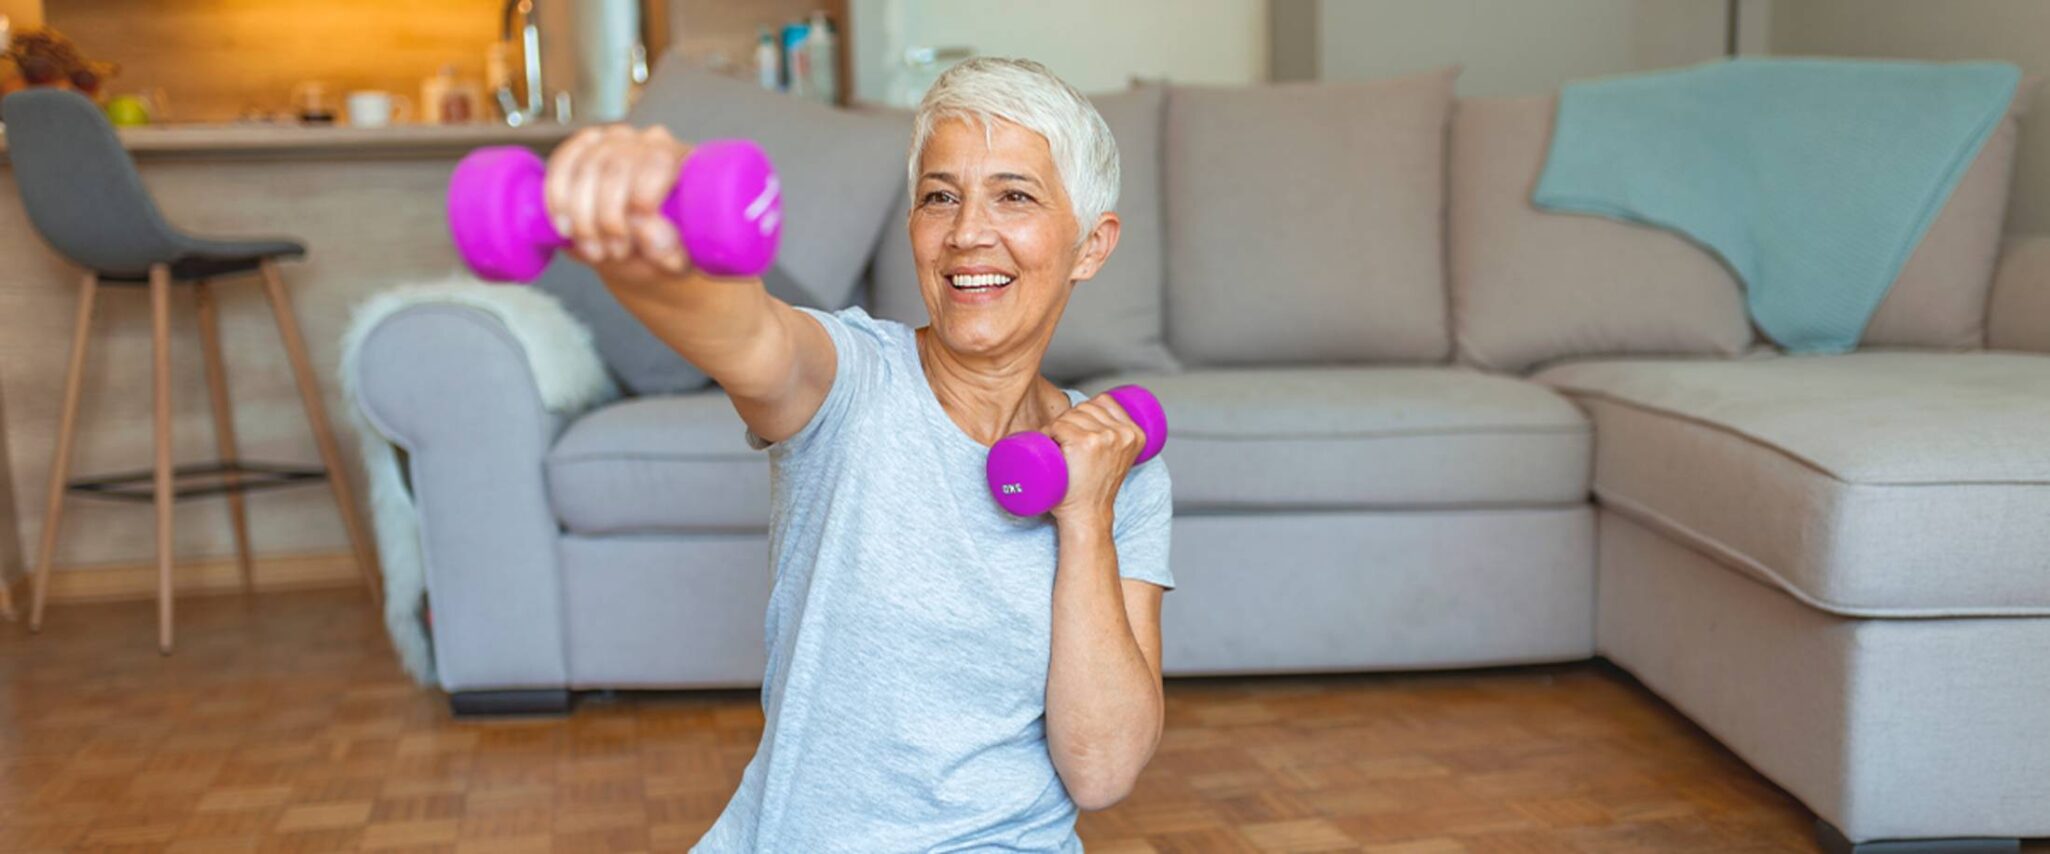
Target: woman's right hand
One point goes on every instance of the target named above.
(604, 190)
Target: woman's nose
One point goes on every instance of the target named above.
(971, 229)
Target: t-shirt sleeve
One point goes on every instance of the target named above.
(859, 364)
(1145, 519)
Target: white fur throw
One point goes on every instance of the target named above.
(568, 374)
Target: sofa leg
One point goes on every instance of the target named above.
(480, 704)
(1833, 842)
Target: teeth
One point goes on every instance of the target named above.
(981, 280)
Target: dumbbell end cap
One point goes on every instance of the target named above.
(1146, 412)
(487, 202)
(728, 208)
(1027, 474)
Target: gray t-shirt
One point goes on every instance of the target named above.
(910, 627)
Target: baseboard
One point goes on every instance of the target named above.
(113, 582)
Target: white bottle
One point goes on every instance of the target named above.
(820, 44)
(768, 61)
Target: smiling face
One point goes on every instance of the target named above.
(993, 233)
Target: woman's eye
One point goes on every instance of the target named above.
(1016, 196)
(936, 197)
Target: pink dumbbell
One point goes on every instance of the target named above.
(1028, 475)
(727, 209)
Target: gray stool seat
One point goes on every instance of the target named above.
(209, 258)
(85, 197)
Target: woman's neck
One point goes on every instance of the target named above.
(989, 398)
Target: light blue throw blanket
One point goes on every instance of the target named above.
(1814, 179)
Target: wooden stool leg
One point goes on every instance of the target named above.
(224, 426)
(60, 464)
(316, 415)
(160, 324)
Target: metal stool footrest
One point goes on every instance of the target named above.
(197, 480)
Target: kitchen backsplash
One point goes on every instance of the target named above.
(216, 59)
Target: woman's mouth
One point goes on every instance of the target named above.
(979, 282)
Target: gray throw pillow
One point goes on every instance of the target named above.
(1306, 221)
(1113, 323)
(839, 170)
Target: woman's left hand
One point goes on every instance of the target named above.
(1099, 441)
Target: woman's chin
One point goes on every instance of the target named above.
(970, 337)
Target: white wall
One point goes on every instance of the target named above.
(1518, 47)
(2014, 30)
(1096, 45)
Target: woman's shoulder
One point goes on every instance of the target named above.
(882, 330)
(877, 338)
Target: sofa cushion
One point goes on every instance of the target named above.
(840, 170)
(1305, 222)
(1366, 438)
(1869, 484)
(1939, 299)
(660, 463)
(1523, 292)
(2018, 311)
(1523, 289)
(1114, 321)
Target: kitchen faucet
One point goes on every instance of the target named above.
(530, 55)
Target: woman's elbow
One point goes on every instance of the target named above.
(1103, 792)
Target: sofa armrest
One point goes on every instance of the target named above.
(474, 399)
(2018, 312)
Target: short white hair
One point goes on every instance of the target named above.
(1025, 93)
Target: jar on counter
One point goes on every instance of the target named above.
(446, 99)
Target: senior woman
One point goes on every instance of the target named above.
(941, 675)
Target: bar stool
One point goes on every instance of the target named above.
(87, 201)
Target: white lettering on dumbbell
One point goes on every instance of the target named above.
(770, 190)
(1013, 488)
(768, 223)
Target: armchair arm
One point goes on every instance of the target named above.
(2018, 313)
(473, 384)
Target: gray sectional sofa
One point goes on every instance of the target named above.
(1416, 424)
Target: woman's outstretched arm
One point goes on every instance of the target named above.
(605, 188)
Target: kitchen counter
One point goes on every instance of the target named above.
(272, 141)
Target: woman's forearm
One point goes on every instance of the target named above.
(721, 326)
(1103, 704)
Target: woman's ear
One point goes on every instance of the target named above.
(1096, 248)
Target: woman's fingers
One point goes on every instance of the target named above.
(609, 210)
(658, 160)
(655, 240)
(558, 184)
(1093, 422)
(605, 190)
(661, 161)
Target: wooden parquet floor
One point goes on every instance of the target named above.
(283, 724)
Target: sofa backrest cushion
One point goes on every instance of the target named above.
(838, 169)
(1531, 287)
(1939, 300)
(1305, 222)
(1113, 322)
(2018, 309)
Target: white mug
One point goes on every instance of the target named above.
(374, 109)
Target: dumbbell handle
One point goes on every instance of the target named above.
(726, 207)
(1027, 473)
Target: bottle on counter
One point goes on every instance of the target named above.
(819, 49)
(768, 61)
(436, 106)
(796, 62)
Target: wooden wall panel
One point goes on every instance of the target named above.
(217, 58)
